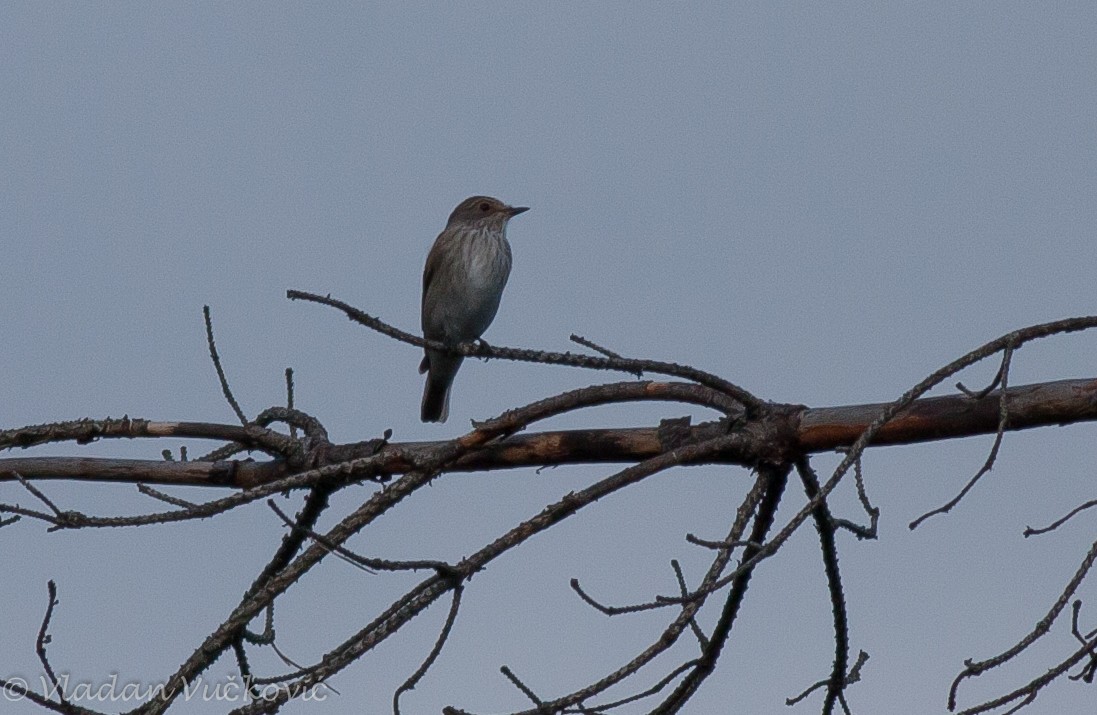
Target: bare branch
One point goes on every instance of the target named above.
(976, 668)
(525, 690)
(776, 477)
(598, 349)
(869, 435)
(363, 562)
(749, 401)
(166, 498)
(1029, 531)
(654, 689)
(697, 632)
(289, 399)
(443, 636)
(1003, 419)
(824, 524)
(853, 676)
(767, 437)
(225, 389)
(44, 638)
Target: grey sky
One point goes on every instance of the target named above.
(821, 202)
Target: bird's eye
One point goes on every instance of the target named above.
(484, 206)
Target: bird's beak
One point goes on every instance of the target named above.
(515, 210)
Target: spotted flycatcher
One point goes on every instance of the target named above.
(466, 271)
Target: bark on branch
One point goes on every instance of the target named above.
(811, 430)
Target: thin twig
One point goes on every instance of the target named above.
(1014, 339)
(443, 636)
(267, 636)
(1003, 418)
(1029, 531)
(167, 498)
(598, 349)
(824, 524)
(363, 562)
(1030, 689)
(861, 532)
(776, 477)
(654, 689)
(289, 399)
(44, 638)
(225, 389)
(853, 676)
(41, 497)
(697, 632)
(980, 394)
(718, 545)
(521, 686)
(975, 668)
(601, 607)
(1090, 668)
(669, 636)
(474, 349)
(424, 594)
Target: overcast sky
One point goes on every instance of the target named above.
(823, 202)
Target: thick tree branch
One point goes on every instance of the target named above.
(816, 430)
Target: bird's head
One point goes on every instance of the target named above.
(484, 209)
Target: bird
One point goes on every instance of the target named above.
(466, 271)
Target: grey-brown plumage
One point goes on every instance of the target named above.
(466, 271)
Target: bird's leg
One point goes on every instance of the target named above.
(482, 345)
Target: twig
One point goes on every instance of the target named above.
(277, 578)
(980, 394)
(346, 471)
(167, 498)
(1003, 418)
(654, 689)
(717, 545)
(225, 390)
(1029, 531)
(776, 477)
(861, 532)
(1090, 668)
(697, 632)
(607, 610)
(1030, 689)
(521, 686)
(825, 526)
(60, 515)
(267, 636)
(44, 638)
(976, 668)
(443, 636)
(853, 676)
(243, 665)
(289, 399)
(359, 561)
(598, 349)
(1015, 338)
(749, 401)
(420, 597)
(671, 633)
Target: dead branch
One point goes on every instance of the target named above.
(815, 430)
(768, 438)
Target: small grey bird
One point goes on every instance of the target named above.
(466, 271)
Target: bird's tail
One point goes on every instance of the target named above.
(441, 370)
(435, 406)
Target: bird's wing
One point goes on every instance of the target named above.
(434, 258)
